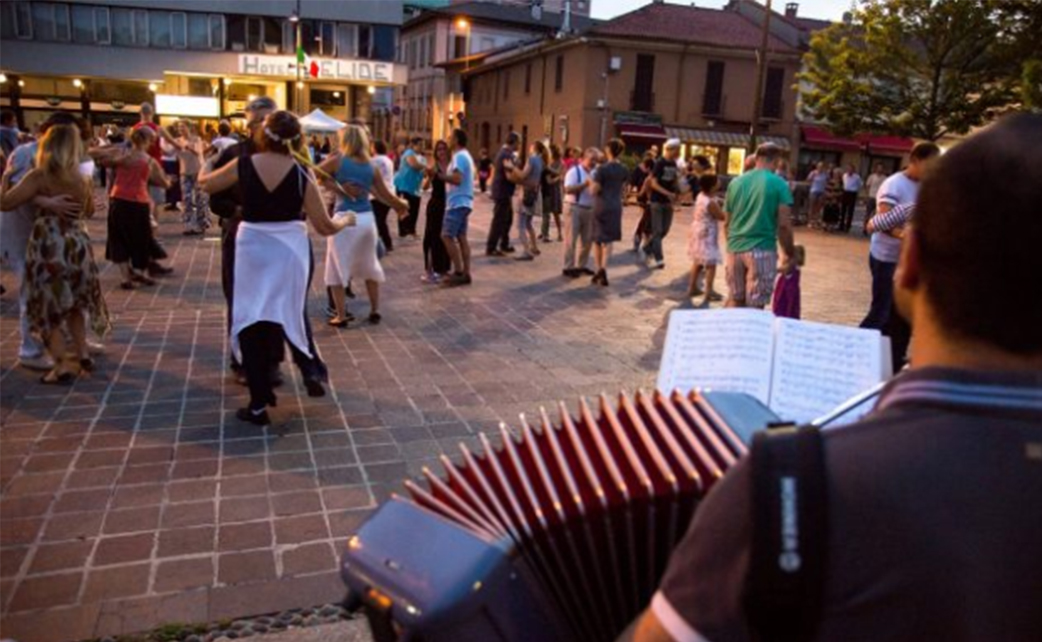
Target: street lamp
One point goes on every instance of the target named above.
(3, 78)
(152, 87)
(371, 89)
(77, 83)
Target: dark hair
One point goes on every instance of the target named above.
(768, 152)
(380, 146)
(416, 140)
(459, 137)
(616, 147)
(702, 161)
(513, 138)
(648, 162)
(977, 270)
(707, 182)
(555, 151)
(280, 133)
(224, 128)
(6, 116)
(924, 151)
(58, 118)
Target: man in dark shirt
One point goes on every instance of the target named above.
(502, 195)
(665, 188)
(934, 501)
(227, 205)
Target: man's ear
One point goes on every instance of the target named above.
(908, 275)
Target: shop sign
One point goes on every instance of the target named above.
(327, 69)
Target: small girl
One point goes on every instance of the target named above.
(785, 301)
(703, 240)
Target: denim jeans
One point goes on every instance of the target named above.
(882, 293)
(195, 213)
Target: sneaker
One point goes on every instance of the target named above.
(508, 249)
(496, 253)
(95, 347)
(255, 417)
(431, 277)
(658, 265)
(155, 269)
(37, 362)
(571, 273)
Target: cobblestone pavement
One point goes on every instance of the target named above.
(134, 498)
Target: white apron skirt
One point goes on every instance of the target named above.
(271, 279)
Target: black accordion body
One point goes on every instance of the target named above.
(560, 533)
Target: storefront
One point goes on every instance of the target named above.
(725, 150)
(863, 151)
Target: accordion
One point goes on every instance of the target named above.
(561, 532)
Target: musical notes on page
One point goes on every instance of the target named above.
(819, 366)
(727, 350)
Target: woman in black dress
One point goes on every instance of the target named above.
(436, 261)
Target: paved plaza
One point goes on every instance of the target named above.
(134, 498)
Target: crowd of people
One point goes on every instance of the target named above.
(746, 226)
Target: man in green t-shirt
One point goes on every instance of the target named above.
(758, 211)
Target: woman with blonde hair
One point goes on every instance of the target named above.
(60, 272)
(352, 253)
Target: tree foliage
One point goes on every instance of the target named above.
(921, 68)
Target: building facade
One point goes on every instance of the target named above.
(660, 71)
(197, 59)
(432, 102)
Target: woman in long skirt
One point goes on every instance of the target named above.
(273, 260)
(60, 272)
(351, 254)
(436, 262)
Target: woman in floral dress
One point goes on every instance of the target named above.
(60, 272)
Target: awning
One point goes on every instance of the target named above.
(719, 138)
(320, 121)
(818, 137)
(641, 133)
(889, 145)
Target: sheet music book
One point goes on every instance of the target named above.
(800, 369)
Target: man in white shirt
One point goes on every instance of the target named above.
(224, 138)
(580, 215)
(851, 188)
(872, 184)
(900, 189)
(459, 202)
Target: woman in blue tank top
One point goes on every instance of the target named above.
(351, 254)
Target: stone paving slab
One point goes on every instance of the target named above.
(134, 498)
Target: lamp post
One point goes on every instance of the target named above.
(761, 70)
(295, 19)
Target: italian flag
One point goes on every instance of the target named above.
(302, 58)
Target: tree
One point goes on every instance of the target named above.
(921, 68)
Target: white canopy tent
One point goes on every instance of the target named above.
(319, 121)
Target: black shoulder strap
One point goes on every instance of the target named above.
(784, 588)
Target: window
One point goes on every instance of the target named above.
(712, 101)
(424, 60)
(735, 161)
(43, 20)
(327, 39)
(159, 29)
(102, 29)
(506, 84)
(365, 35)
(61, 22)
(23, 20)
(122, 28)
(82, 24)
(459, 46)
(178, 30)
(431, 58)
(198, 31)
(772, 94)
(254, 34)
(217, 30)
(559, 74)
(140, 19)
(643, 98)
(346, 40)
(528, 78)
(385, 42)
(6, 20)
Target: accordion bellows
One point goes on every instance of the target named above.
(560, 533)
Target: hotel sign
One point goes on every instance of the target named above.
(371, 71)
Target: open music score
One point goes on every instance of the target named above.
(800, 369)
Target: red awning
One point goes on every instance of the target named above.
(887, 144)
(822, 138)
(642, 133)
